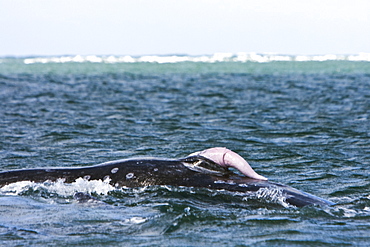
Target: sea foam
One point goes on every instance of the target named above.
(101, 187)
(217, 57)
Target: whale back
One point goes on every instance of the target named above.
(193, 171)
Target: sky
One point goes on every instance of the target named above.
(193, 27)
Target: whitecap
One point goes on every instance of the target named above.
(213, 58)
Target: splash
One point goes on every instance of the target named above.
(100, 187)
(271, 194)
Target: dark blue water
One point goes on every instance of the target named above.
(301, 124)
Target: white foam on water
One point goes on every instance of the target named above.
(135, 220)
(101, 187)
(216, 57)
(270, 194)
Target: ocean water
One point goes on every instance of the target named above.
(300, 121)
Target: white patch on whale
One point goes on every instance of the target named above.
(114, 170)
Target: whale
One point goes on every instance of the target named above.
(205, 169)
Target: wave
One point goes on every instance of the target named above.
(217, 57)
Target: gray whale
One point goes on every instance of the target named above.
(193, 171)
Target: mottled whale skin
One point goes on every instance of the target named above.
(193, 171)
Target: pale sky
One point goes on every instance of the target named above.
(194, 27)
